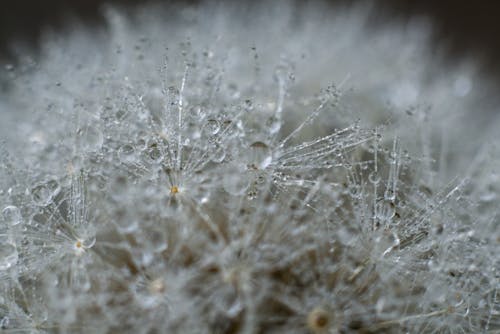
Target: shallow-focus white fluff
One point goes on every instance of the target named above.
(237, 168)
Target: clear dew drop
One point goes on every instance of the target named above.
(12, 215)
(389, 195)
(4, 322)
(248, 105)
(89, 138)
(274, 124)
(126, 153)
(218, 153)
(234, 179)
(43, 193)
(172, 95)
(212, 126)
(385, 211)
(252, 194)
(8, 254)
(89, 241)
(260, 155)
(195, 111)
(374, 178)
(260, 179)
(153, 152)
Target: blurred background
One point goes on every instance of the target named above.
(463, 27)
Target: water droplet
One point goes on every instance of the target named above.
(218, 153)
(12, 215)
(212, 126)
(252, 194)
(234, 180)
(89, 241)
(259, 155)
(127, 154)
(154, 153)
(43, 193)
(4, 323)
(386, 211)
(195, 111)
(274, 124)
(389, 195)
(374, 178)
(248, 105)
(8, 254)
(261, 179)
(89, 138)
(172, 95)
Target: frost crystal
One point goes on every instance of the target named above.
(180, 173)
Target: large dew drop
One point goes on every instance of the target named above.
(127, 154)
(12, 215)
(218, 154)
(89, 138)
(153, 152)
(235, 180)
(212, 127)
(4, 323)
(259, 155)
(8, 254)
(43, 193)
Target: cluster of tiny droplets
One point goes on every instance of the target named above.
(176, 173)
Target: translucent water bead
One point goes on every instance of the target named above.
(43, 193)
(259, 155)
(235, 180)
(11, 215)
(8, 253)
(90, 138)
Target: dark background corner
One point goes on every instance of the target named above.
(465, 27)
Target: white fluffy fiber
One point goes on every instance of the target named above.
(266, 168)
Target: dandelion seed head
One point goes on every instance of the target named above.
(318, 320)
(157, 286)
(188, 176)
(174, 190)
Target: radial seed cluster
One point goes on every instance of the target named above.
(264, 168)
